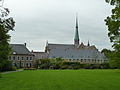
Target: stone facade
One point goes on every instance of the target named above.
(20, 56)
(40, 55)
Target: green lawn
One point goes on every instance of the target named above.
(61, 80)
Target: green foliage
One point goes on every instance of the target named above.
(6, 66)
(0, 75)
(70, 65)
(6, 24)
(113, 2)
(59, 63)
(113, 23)
(113, 57)
(106, 52)
(43, 63)
(14, 68)
(36, 63)
(115, 60)
(30, 69)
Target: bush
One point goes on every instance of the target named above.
(59, 63)
(14, 68)
(70, 65)
(64, 67)
(0, 76)
(6, 66)
(30, 69)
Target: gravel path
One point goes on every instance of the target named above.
(11, 71)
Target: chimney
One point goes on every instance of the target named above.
(25, 44)
(32, 51)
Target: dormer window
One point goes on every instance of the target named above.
(14, 52)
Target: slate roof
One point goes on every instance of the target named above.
(70, 51)
(40, 55)
(20, 49)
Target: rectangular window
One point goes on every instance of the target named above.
(30, 65)
(18, 58)
(81, 60)
(22, 58)
(27, 58)
(13, 58)
(85, 60)
(30, 58)
(22, 64)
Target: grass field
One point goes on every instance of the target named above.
(61, 80)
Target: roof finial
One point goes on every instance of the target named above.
(46, 42)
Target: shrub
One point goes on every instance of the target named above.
(30, 69)
(6, 66)
(64, 67)
(0, 75)
(59, 63)
(14, 68)
(70, 65)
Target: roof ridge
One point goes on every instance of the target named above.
(17, 44)
(60, 44)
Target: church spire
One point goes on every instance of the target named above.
(76, 39)
(88, 43)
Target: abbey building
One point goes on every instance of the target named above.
(85, 54)
(76, 51)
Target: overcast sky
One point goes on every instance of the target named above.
(54, 20)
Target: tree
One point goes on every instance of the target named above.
(106, 52)
(43, 63)
(6, 24)
(114, 60)
(113, 23)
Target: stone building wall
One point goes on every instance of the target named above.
(22, 61)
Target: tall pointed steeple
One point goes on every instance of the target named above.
(88, 43)
(76, 39)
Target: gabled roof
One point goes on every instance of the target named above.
(67, 51)
(19, 49)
